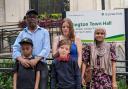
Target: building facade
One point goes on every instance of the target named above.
(12, 11)
(83, 5)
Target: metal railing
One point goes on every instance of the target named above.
(126, 67)
(7, 67)
(8, 33)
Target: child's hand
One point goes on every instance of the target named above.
(114, 85)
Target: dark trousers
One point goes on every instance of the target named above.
(67, 88)
(44, 77)
(88, 85)
(73, 87)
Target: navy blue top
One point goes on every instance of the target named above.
(73, 50)
(65, 75)
(26, 76)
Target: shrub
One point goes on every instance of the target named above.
(122, 84)
(6, 77)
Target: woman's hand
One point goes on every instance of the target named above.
(83, 82)
(114, 85)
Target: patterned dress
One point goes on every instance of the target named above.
(100, 59)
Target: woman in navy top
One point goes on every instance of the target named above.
(67, 32)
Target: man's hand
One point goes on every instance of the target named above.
(33, 62)
(24, 62)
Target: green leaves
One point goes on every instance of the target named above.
(122, 84)
(5, 80)
(6, 77)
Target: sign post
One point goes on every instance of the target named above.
(126, 41)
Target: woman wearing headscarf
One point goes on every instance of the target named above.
(102, 58)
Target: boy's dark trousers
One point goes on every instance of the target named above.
(73, 87)
(67, 88)
(44, 77)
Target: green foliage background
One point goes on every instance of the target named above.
(6, 78)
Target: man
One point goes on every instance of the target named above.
(26, 78)
(41, 45)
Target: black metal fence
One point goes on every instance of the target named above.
(6, 73)
(8, 33)
(7, 36)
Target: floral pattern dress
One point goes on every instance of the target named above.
(100, 79)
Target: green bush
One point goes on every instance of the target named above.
(6, 77)
(122, 84)
(5, 80)
(54, 16)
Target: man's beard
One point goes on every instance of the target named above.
(32, 25)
